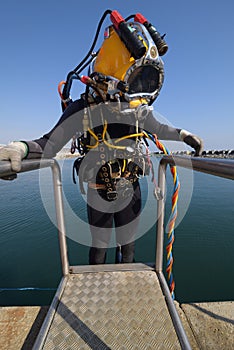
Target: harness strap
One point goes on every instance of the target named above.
(109, 182)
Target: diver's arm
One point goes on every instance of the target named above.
(163, 131)
(49, 144)
(166, 132)
(52, 142)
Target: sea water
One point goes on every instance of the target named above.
(30, 266)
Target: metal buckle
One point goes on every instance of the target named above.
(112, 195)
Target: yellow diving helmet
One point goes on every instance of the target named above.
(138, 64)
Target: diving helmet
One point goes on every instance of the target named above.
(130, 54)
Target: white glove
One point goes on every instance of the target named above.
(14, 152)
(192, 140)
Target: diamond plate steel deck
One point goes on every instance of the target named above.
(112, 310)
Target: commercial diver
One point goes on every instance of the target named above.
(110, 126)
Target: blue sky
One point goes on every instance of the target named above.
(41, 41)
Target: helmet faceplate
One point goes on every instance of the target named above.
(144, 75)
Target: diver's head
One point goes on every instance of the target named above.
(131, 53)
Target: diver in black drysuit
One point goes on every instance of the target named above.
(112, 177)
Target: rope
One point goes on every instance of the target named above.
(171, 225)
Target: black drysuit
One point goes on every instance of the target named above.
(123, 212)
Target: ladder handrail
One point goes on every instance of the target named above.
(212, 166)
(219, 167)
(34, 164)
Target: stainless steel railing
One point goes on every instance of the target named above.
(213, 166)
(217, 167)
(28, 165)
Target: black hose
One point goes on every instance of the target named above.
(129, 17)
(81, 66)
(95, 39)
(85, 65)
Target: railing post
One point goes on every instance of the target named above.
(58, 196)
(160, 216)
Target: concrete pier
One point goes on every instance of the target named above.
(20, 325)
(209, 326)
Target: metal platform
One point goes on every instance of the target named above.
(109, 307)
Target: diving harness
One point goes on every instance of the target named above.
(113, 165)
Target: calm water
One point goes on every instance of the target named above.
(29, 250)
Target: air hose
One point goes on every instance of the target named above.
(171, 224)
(74, 74)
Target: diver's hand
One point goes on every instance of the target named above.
(192, 140)
(15, 152)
